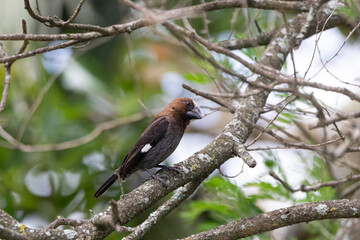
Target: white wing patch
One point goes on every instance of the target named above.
(146, 148)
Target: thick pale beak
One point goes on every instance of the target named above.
(194, 114)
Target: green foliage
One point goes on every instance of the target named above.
(197, 77)
(223, 202)
(351, 10)
(317, 170)
(252, 53)
(322, 230)
(267, 190)
(287, 118)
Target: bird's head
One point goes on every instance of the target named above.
(184, 107)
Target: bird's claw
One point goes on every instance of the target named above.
(154, 176)
(170, 168)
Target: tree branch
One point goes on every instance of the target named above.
(7, 79)
(72, 143)
(6, 233)
(180, 196)
(210, 97)
(282, 217)
(304, 188)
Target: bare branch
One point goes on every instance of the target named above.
(304, 188)
(241, 152)
(161, 16)
(337, 118)
(61, 221)
(14, 57)
(7, 78)
(36, 104)
(260, 40)
(285, 184)
(26, 42)
(288, 100)
(210, 97)
(72, 143)
(76, 12)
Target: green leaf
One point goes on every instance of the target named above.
(223, 201)
(351, 11)
(197, 77)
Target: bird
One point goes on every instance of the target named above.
(157, 142)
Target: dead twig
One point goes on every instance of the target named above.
(304, 188)
(72, 143)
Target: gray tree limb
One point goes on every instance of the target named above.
(282, 217)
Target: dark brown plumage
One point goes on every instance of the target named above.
(158, 141)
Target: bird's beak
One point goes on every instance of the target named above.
(194, 114)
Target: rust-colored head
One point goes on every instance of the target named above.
(183, 107)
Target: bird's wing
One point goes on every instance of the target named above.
(151, 136)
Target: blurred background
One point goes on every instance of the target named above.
(63, 95)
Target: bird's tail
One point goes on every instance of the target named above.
(106, 185)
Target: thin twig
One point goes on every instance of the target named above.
(76, 12)
(120, 183)
(149, 112)
(233, 22)
(304, 188)
(276, 177)
(7, 66)
(72, 143)
(233, 176)
(263, 70)
(49, 48)
(337, 118)
(26, 42)
(36, 104)
(205, 23)
(210, 97)
(61, 221)
(288, 100)
(291, 147)
(181, 195)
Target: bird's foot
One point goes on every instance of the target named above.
(154, 176)
(170, 168)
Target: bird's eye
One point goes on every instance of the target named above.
(188, 103)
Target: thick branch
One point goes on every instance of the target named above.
(164, 210)
(10, 228)
(7, 233)
(282, 217)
